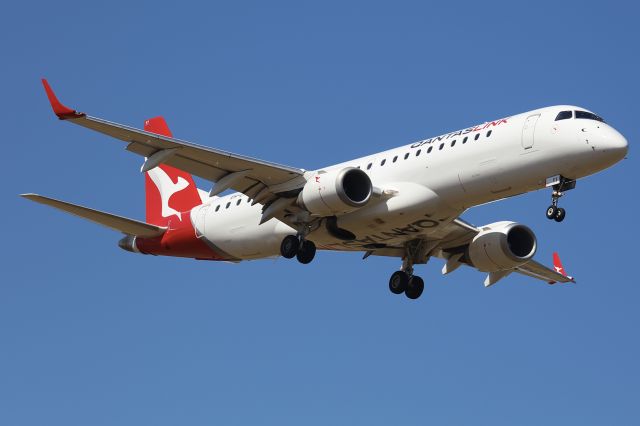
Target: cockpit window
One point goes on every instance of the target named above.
(588, 116)
(563, 115)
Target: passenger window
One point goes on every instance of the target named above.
(238, 203)
(383, 161)
(217, 207)
(477, 136)
(369, 166)
(453, 143)
(395, 158)
(228, 204)
(429, 150)
(563, 115)
(489, 133)
(418, 152)
(406, 156)
(441, 146)
(465, 140)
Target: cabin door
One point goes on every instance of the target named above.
(528, 131)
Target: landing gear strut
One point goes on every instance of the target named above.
(560, 185)
(403, 281)
(297, 246)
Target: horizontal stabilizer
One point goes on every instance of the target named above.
(119, 223)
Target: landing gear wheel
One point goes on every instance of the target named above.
(289, 246)
(415, 287)
(398, 282)
(307, 252)
(560, 185)
(560, 214)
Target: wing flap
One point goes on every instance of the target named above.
(119, 223)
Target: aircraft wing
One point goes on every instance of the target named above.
(449, 241)
(255, 178)
(459, 233)
(541, 272)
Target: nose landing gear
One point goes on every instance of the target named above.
(554, 212)
(560, 185)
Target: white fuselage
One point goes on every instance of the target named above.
(431, 182)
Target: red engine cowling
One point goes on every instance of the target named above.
(502, 245)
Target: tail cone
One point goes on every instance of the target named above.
(128, 243)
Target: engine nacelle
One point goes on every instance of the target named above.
(502, 245)
(336, 192)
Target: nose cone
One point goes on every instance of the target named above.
(621, 145)
(611, 145)
(615, 144)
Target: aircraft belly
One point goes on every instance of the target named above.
(242, 237)
(415, 212)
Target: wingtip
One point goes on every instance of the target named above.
(61, 111)
(557, 264)
(31, 196)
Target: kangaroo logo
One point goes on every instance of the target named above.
(167, 188)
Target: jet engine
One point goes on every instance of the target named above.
(336, 192)
(502, 245)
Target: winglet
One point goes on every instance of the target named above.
(60, 110)
(557, 264)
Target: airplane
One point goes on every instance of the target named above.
(404, 203)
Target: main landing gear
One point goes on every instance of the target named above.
(411, 285)
(403, 281)
(296, 246)
(560, 185)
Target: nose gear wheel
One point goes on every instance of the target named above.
(553, 211)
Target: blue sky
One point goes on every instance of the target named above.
(90, 334)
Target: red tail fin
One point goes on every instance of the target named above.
(170, 192)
